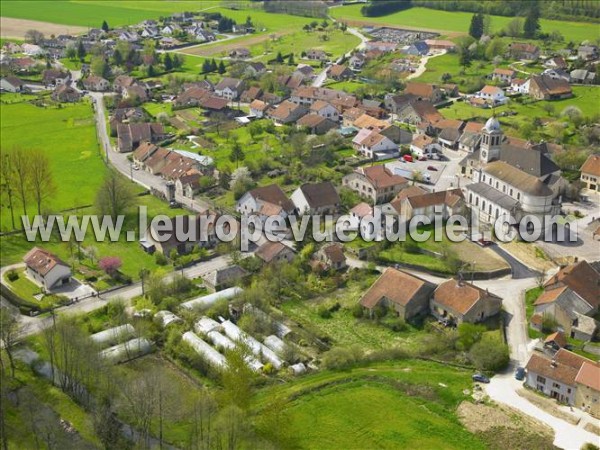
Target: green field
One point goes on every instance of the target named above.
(67, 135)
(338, 44)
(409, 404)
(91, 13)
(458, 22)
(586, 98)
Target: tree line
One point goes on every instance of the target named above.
(579, 10)
(26, 179)
(377, 8)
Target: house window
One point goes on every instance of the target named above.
(568, 390)
(541, 380)
(556, 385)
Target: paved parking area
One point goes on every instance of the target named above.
(75, 290)
(407, 169)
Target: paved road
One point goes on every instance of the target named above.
(120, 162)
(33, 325)
(519, 270)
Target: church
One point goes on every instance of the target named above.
(511, 179)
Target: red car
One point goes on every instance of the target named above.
(408, 158)
(432, 168)
(484, 243)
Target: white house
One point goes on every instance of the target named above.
(316, 198)
(258, 108)
(46, 269)
(265, 201)
(229, 88)
(11, 84)
(325, 109)
(372, 144)
(555, 376)
(423, 145)
(492, 94)
(33, 50)
(519, 86)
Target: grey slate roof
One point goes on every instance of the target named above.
(493, 195)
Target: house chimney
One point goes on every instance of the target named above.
(553, 363)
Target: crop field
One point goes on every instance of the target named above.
(456, 23)
(410, 404)
(67, 135)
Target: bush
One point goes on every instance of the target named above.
(358, 311)
(12, 275)
(324, 312)
(160, 259)
(489, 356)
(342, 358)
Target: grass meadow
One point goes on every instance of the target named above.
(454, 23)
(68, 136)
(408, 404)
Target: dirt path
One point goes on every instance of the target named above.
(16, 28)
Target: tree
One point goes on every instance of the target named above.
(222, 68)
(238, 377)
(178, 61)
(489, 355)
(476, 28)
(279, 58)
(237, 154)
(291, 59)
(21, 164)
(105, 27)
(9, 327)
(151, 72)
(468, 335)
(71, 52)
(532, 21)
(7, 181)
(110, 265)
(81, 51)
(99, 67)
(41, 180)
(514, 27)
(213, 65)
(464, 58)
(115, 195)
(168, 62)
(34, 36)
(240, 182)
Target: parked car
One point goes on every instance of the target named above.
(422, 158)
(520, 373)
(407, 158)
(173, 204)
(479, 377)
(431, 168)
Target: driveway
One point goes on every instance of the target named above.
(503, 389)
